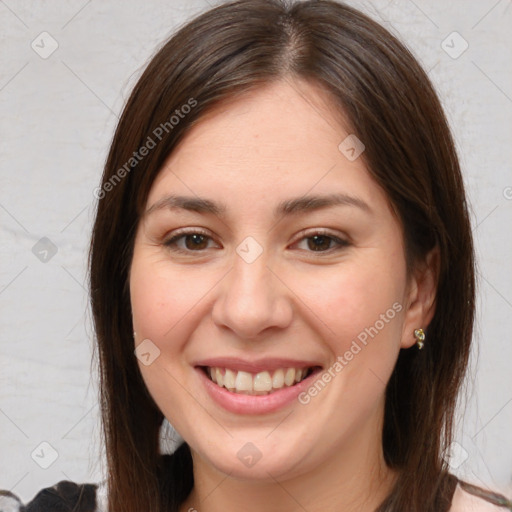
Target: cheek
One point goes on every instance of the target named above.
(153, 307)
(158, 300)
(161, 298)
(353, 299)
(161, 301)
(358, 309)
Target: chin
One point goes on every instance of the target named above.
(260, 460)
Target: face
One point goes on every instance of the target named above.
(257, 285)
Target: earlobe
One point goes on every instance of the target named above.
(421, 299)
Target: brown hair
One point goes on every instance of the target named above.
(391, 106)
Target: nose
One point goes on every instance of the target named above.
(252, 299)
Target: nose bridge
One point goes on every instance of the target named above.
(250, 278)
(251, 298)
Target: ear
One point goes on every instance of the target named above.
(421, 297)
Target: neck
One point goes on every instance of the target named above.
(354, 478)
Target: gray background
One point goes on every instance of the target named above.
(57, 117)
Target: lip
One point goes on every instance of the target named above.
(254, 404)
(260, 365)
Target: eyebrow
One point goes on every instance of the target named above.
(288, 207)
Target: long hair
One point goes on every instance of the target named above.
(375, 82)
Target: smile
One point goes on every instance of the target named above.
(261, 383)
(245, 394)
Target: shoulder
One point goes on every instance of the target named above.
(469, 498)
(61, 497)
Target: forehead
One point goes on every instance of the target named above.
(273, 142)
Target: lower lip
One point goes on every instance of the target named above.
(239, 403)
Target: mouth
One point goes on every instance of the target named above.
(263, 383)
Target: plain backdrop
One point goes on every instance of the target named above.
(66, 70)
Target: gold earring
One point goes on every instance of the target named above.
(419, 334)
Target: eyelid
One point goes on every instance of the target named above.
(170, 240)
(190, 231)
(310, 232)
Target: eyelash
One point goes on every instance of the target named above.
(171, 242)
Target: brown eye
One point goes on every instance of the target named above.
(192, 241)
(322, 242)
(195, 241)
(319, 242)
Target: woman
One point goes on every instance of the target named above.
(282, 267)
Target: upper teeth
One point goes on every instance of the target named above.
(261, 383)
